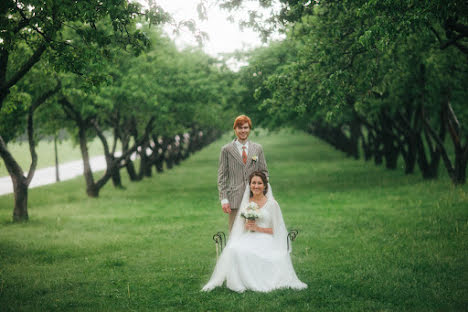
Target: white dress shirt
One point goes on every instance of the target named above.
(239, 146)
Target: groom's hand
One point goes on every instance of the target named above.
(227, 208)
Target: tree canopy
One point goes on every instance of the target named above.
(103, 70)
(386, 75)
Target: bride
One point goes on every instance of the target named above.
(256, 255)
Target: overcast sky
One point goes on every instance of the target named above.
(224, 36)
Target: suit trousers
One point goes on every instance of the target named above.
(232, 218)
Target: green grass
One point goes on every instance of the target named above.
(67, 151)
(369, 239)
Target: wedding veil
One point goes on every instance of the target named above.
(280, 233)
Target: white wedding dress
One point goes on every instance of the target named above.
(256, 261)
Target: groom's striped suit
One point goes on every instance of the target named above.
(233, 174)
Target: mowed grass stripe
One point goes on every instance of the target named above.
(369, 239)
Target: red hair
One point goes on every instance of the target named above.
(240, 120)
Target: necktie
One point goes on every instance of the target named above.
(244, 155)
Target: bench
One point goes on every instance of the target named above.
(220, 240)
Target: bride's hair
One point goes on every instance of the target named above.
(264, 180)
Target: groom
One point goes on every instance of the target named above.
(237, 161)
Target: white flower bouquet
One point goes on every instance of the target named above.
(250, 212)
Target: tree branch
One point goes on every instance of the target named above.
(460, 28)
(440, 144)
(3, 70)
(461, 47)
(140, 142)
(32, 144)
(12, 166)
(33, 59)
(453, 41)
(21, 12)
(450, 42)
(436, 34)
(69, 110)
(102, 137)
(115, 161)
(453, 124)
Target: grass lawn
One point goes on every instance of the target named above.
(369, 239)
(67, 151)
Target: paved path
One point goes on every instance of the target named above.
(46, 176)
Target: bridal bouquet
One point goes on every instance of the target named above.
(250, 212)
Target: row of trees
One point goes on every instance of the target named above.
(103, 71)
(386, 76)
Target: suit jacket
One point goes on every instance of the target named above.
(233, 175)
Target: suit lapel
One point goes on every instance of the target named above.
(252, 152)
(233, 150)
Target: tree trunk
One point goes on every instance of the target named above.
(129, 165)
(113, 163)
(158, 154)
(177, 155)
(197, 138)
(429, 168)
(159, 164)
(450, 119)
(366, 147)
(145, 165)
(408, 150)
(177, 150)
(91, 189)
(20, 182)
(355, 131)
(367, 143)
(409, 124)
(378, 152)
(459, 173)
(186, 146)
(115, 176)
(20, 187)
(422, 159)
(131, 170)
(391, 159)
(193, 141)
(390, 151)
(168, 152)
(145, 161)
(57, 173)
(410, 158)
(169, 158)
(116, 179)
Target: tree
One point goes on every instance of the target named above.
(36, 88)
(379, 72)
(31, 30)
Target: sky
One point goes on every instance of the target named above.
(224, 36)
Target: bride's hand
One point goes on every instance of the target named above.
(251, 225)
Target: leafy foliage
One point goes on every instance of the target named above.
(395, 71)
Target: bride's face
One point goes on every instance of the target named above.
(256, 185)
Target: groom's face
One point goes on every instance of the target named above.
(242, 131)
